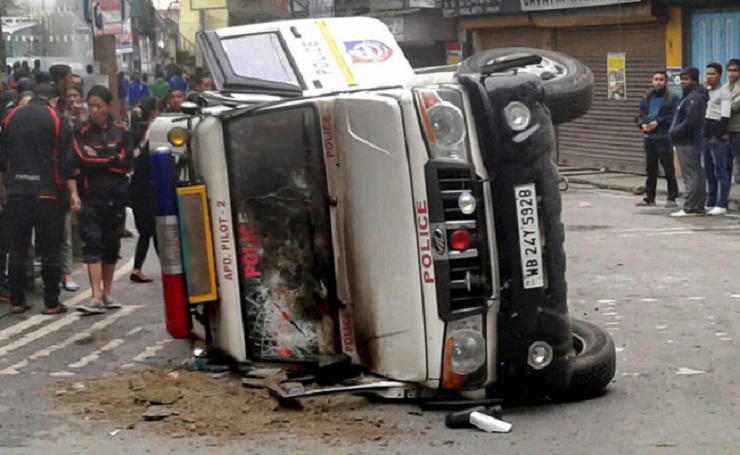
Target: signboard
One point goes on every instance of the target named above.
(543, 5)
(479, 7)
(616, 63)
(454, 53)
(197, 5)
(124, 41)
(422, 4)
(107, 17)
(674, 80)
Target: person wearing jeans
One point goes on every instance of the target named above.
(717, 142)
(656, 113)
(685, 133)
(733, 85)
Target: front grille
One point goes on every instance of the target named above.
(461, 275)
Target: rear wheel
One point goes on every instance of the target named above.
(568, 83)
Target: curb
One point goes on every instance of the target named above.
(734, 201)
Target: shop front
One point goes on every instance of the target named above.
(622, 41)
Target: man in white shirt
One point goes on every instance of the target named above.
(733, 85)
(716, 153)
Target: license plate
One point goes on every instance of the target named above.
(530, 244)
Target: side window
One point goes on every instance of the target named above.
(259, 57)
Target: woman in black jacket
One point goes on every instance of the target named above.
(142, 189)
(104, 152)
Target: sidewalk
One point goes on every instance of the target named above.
(631, 183)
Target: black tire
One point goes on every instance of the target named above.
(595, 362)
(568, 97)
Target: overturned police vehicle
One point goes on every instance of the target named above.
(333, 206)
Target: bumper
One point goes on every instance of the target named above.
(529, 314)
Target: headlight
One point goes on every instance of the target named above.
(177, 137)
(518, 116)
(443, 123)
(466, 203)
(465, 350)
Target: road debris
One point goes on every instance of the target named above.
(221, 408)
(488, 423)
(461, 419)
(114, 432)
(684, 371)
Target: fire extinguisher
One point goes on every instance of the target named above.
(176, 307)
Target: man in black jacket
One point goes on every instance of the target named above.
(656, 114)
(36, 160)
(686, 135)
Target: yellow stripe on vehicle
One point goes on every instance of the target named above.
(335, 52)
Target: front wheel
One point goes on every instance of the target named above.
(595, 361)
(568, 83)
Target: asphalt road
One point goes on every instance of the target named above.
(666, 289)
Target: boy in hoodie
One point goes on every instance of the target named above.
(685, 133)
(733, 85)
(717, 142)
(656, 113)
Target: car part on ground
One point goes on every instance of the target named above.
(568, 83)
(595, 361)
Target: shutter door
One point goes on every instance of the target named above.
(515, 37)
(607, 136)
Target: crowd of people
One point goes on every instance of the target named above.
(703, 129)
(63, 156)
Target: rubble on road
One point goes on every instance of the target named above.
(191, 403)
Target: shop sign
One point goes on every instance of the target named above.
(106, 16)
(479, 7)
(454, 53)
(616, 70)
(543, 5)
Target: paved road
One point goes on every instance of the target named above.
(666, 289)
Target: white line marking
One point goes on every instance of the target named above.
(720, 334)
(726, 339)
(71, 303)
(735, 296)
(612, 323)
(648, 300)
(660, 327)
(134, 331)
(602, 301)
(92, 357)
(697, 298)
(150, 351)
(669, 341)
(611, 313)
(61, 374)
(125, 311)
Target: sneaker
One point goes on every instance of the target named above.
(111, 303)
(683, 213)
(708, 207)
(92, 307)
(717, 211)
(645, 203)
(670, 204)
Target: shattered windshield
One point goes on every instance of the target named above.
(259, 57)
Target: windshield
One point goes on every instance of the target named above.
(259, 57)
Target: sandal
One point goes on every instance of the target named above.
(59, 309)
(140, 278)
(18, 309)
(70, 286)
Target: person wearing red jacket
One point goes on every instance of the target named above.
(104, 151)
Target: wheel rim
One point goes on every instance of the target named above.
(579, 344)
(547, 70)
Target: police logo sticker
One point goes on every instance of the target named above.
(368, 51)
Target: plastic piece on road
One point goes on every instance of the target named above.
(488, 423)
(461, 419)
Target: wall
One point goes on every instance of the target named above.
(190, 22)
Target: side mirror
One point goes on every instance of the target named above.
(190, 108)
